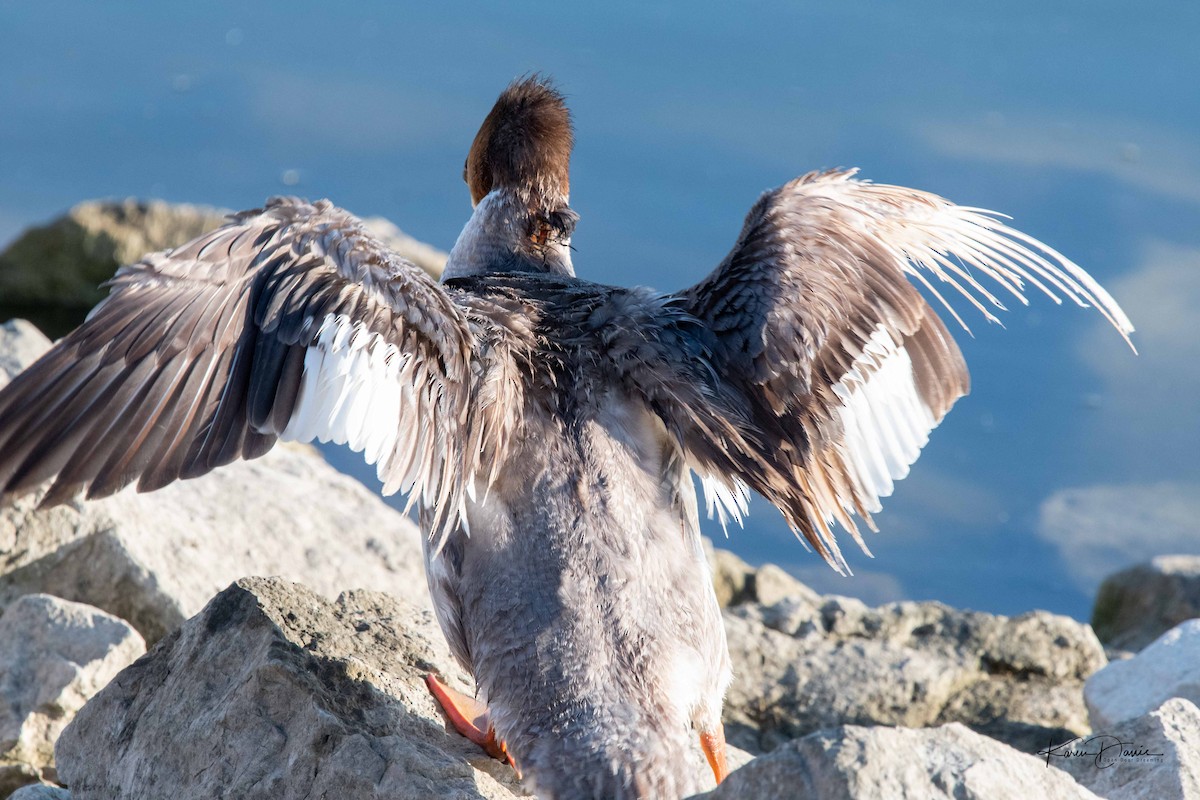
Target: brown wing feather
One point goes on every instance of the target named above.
(836, 361)
(197, 357)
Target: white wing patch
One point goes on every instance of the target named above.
(885, 421)
(885, 425)
(354, 391)
(725, 501)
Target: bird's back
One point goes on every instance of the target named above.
(581, 599)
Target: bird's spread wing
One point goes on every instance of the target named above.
(289, 322)
(835, 362)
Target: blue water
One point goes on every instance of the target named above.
(1081, 120)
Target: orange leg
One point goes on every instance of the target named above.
(713, 745)
(469, 717)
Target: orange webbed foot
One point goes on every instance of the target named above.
(470, 718)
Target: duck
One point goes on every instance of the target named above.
(547, 429)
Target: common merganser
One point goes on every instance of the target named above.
(547, 427)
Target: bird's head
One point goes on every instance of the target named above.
(524, 145)
(518, 172)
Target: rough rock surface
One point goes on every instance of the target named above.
(273, 692)
(1153, 757)
(736, 582)
(949, 762)
(806, 663)
(60, 265)
(21, 343)
(1170, 667)
(40, 791)
(731, 576)
(1137, 605)
(155, 559)
(771, 585)
(54, 655)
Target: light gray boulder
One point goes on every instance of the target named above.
(54, 656)
(803, 664)
(21, 343)
(1137, 605)
(274, 692)
(155, 559)
(1153, 757)
(737, 583)
(772, 585)
(730, 574)
(850, 762)
(1170, 667)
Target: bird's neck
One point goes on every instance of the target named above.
(505, 235)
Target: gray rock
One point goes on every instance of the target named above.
(40, 791)
(54, 656)
(1024, 715)
(731, 576)
(736, 582)
(801, 666)
(1170, 667)
(1136, 606)
(1153, 757)
(273, 692)
(155, 559)
(771, 585)
(784, 688)
(877, 763)
(21, 343)
(14, 774)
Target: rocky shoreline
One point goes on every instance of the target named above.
(140, 658)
